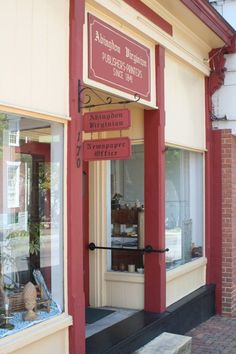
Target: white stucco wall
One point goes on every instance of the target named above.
(227, 9)
(34, 37)
(224, 98)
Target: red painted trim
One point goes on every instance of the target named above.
(208, 177)
(217, 76)
(232, 48)
(86, 229)
(76, 302)
(213, 202)
(154, 124)
(211, 18)
(151, 15)
(216, 218)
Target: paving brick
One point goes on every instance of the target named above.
(215, 336)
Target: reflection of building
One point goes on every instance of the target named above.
(117, 49)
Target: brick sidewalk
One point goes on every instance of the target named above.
(215, 336)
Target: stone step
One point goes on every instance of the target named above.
(167, 343)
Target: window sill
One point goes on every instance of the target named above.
(170, 274)
(185, 268)
(34, 333)
(124, 277)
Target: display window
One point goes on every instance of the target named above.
(183, 209)
(183, 206)
(31, 221)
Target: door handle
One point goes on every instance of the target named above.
(146, 249)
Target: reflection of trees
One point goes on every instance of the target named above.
(44, 177)
(173, 168)
(44, 181)
(177, 187)
(55, 198)
(3, 126)
(172, 188)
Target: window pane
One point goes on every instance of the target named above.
(127, 211)
(31, 223)
(184, 206)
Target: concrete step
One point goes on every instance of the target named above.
(167, 343)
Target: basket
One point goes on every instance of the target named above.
(16, 300)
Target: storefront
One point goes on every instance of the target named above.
(156, 197)
(105, 146)
(148, 218)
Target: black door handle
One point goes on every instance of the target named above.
(147, 249)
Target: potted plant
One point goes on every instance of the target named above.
(34, 233)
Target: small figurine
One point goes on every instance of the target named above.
(45, 299)
(30, 295)
(115, 201)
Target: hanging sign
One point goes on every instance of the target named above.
(116, 119)
(117, 60)
(107, 149)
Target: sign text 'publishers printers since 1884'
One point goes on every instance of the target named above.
(117, 60)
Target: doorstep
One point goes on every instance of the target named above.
(134, 332)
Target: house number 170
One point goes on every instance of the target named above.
(78, 150)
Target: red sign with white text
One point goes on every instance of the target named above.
(117, 60)
(107, 149)
(116, 119)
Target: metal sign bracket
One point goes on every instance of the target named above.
(88, 98)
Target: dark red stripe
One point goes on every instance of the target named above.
(76, 302)
(151, 15)
(212, 19)
(154, 139)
